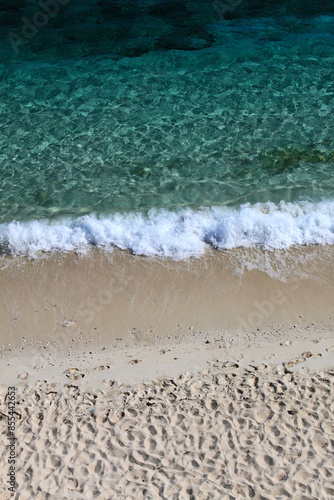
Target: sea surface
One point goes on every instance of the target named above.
(163, 127)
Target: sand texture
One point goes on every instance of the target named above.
(260, 432)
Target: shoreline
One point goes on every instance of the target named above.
(110, 296)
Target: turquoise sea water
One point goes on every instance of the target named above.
(116, 109)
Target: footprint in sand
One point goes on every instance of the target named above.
(263, 414)
(74, 374)
(109, 382)
(66, 323)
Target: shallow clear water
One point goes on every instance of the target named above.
(116, 107)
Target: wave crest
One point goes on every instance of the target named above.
(178, 234)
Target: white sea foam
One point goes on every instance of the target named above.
(178, 234)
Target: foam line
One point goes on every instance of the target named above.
(178, 234)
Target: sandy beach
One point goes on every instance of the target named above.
(148, 378)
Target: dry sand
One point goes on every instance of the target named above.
(141, 378)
